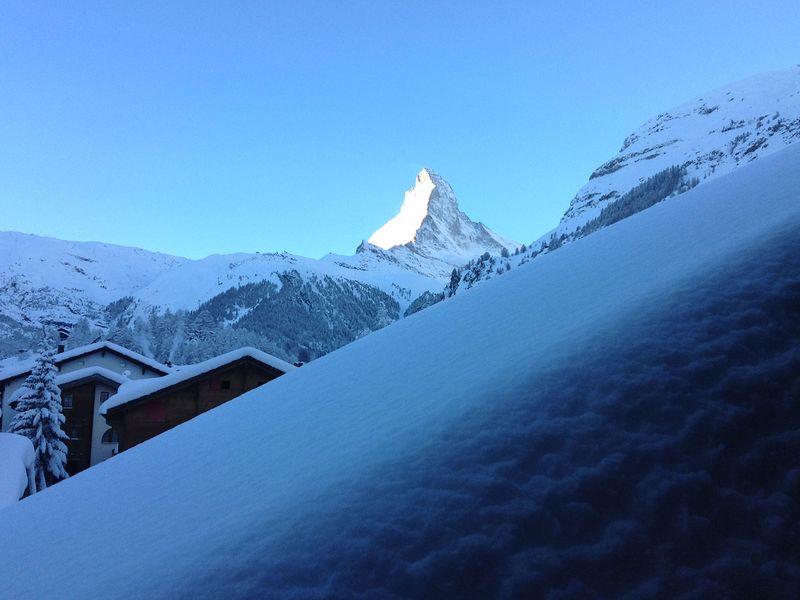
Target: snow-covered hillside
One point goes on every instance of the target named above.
(617, 419)
(709, 136)
(43, 280)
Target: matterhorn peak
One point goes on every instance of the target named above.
(428, 174)
(430, 223)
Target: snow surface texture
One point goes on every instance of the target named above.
(618, 419)
(133, 390)
(430, 223)
(16, 467)
(710, 136)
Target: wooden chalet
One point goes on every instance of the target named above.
(141, 410)
(88, 376)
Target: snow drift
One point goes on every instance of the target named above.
(16, 467)
(616, 419)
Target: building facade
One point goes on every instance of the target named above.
(143, 409)
(88, 376)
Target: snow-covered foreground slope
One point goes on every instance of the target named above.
(710, 136)
(617, 419)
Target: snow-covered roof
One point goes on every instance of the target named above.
(78, 375)
(133, 390)
(16, 460)
(14, 368)
(96, 371)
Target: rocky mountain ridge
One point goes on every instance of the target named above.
(707, 137)
(431, 224)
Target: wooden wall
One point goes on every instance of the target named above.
(140, 420)
(78, 426)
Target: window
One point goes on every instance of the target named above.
(103, 396)
(225, 384)
(66, 401)
(110, 437)
(75, 433)
(156, 412)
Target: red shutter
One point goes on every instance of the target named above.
(157, 412)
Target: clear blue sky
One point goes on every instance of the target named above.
(203, 127)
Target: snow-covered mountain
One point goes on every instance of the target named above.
(298, 307)
(619, 419)
(672, 153)
(44, 280)
(431, 224)
(709, 136)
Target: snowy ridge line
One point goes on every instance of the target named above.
(16, 368)
(709, 136)
(133, 390)
(202, 518)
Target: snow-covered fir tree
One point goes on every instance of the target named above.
(39, 418)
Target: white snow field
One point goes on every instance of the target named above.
(615, 419)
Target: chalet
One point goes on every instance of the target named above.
(88, 376)
(141, 410)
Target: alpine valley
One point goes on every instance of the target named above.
(181, 310)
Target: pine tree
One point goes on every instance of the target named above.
(455, 279)
(39, 418)
(123, 335)
(82, 333)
